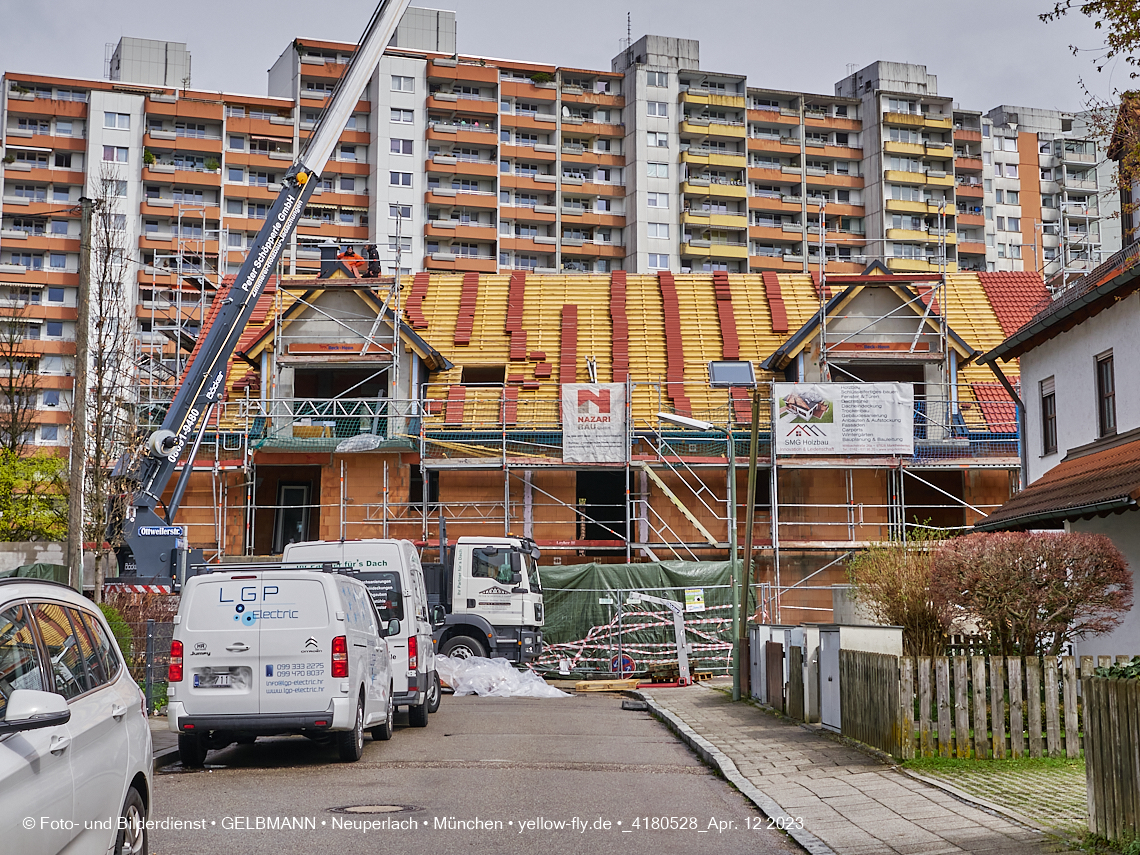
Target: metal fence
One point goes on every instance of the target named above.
(147, 651)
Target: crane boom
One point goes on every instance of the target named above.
(148, 544)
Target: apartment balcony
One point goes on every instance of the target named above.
(774, 203)
(708, 249)
(941, 150)
(23, 241)
(20, 206)
(971, 247)
(168, 141)
(1068, 181)
(717, 128)
(917, 236)
(780, 117)
(25, 172)
(704, 187)
(444, 102)
(962, 163)
(592, 249)
(450, 69)
(820, 178)
(705, 98)
(898, 206)
(47, 107)
(967, 135)
(708, 220)
(481, 135)
(782, 145)
(449, 197)
(525, 90)
(445, 261)
(965, 220)
(456, 166)
(906, 120)
(712, 157)
(782, 264)
(918, 265)
(457, 230)
(786, 233)
(898, 176)
(901, 148)
(969, 191)
(534, 154)
(527, 214)
(184, 108)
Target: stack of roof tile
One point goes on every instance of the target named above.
(1015, 297)
(997, 407)
(456, 395)
(815, 282)
(465, 320)
(568, 356)
(264, 302)
(776, 302)
(513, 327)
(415, 307)
(730, 343)
(620, 339)
(674, 347)
(510, 405)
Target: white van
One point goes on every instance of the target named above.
(391, 570)
(276, 651)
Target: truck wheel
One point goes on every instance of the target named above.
(433, 693)
(463, 647)
(191, 750)
(384, 732)
(350, 743)
(418, 714)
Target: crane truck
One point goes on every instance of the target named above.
(151, 548)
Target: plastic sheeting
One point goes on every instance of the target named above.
(492, 678)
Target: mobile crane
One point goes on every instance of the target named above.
(152, 548)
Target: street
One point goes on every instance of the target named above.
(487, 775)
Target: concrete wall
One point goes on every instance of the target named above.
(1125, 533)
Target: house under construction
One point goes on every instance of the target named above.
(356, 409)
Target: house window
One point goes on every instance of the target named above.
(658, 261)
(1106, 394)
(657, 170)
(347, 185)
(657, 108)
(395, 211)
(656, 78)
(657, 200)
(403, 84)
(1048, 417)
(657, 230)
(114, 154)
(657, 140)
(401, 146)
(403, 117)
(400, 179)
(117, 120)
(49, 433)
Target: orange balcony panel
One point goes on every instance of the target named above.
(463, 167)
(835, 123)
(260, 160)
(42, 209)
(352, 200)
(45, 141)
(971, 247)
(463, 71)
(194, 144)
(525, 182)
(968, 191)
(772, 117)
(320, 103)
(596, 219)
(527, 153)
(844, 238)
(970, 220)
(330, 230)
(831, 179)
(597, 129)
(468, 137)
(767, 203)
(46, 107)
(262, 127)
(529, 215)
(461, 264)
(593, 158)
(526, 91)
(40, 312)
(773, 233)
(47, 176)
(967, 136)
(46, 243)
(47, 348)
(773, 176)
(185, 108)
(461, 232)
(463, 105)
(524, 244)
(530, 123)
(762, 144)
(42, 277)
(598, 99)
(325, 70)
(967, 164)
(613, 190)
(595, 250)
(765, 262)
(463, 200)
(347, 167)
(244, 191)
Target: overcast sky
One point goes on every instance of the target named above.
(985, 52)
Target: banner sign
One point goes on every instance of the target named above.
(845, 418)
(593, 423)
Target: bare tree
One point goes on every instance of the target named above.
(111, 373)
(19, 368)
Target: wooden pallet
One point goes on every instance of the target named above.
(605, 685)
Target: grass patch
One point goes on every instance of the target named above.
(1020, 764)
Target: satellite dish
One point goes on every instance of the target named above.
(360, 442)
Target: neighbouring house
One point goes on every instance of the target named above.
(1079, 365)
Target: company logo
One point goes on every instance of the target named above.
(160, 531)
(200, 649)
(593, 403)
(807, 430)
(311, 643)
(242, 615)
(495, 590)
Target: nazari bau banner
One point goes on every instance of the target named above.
(844, 418)
(593, 423)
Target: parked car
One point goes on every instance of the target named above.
(392, 573)
(279, 651)
(75, 745)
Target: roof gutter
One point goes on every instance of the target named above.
(1105, 507)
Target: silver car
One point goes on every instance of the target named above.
(75, 745)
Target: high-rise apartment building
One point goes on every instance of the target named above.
(453, 162)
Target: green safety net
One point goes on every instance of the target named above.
(586, 630)
(52, 572)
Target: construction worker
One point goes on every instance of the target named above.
(373, 260)
(352, 260)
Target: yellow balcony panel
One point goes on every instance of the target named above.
(939, 122)
(919, 236)
(898, 206)
(699, 96)
(897, 176)
(914, 149)
(706, 128)
(730, 159)
(704, 249)
(918, 265)
(697, 187)
(724, 221)
(940, 180)
(910, 120)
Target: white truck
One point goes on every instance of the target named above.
(491, 596)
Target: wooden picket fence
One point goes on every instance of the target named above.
(1112, 755)
(963, 706)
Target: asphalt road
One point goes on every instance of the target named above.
(573, 775)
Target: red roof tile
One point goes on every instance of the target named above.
(1015, 297)
(775, 302)
(415, 307)
(568, 356)
(465, 320)
(997, 407)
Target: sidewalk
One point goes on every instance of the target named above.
(850, 803)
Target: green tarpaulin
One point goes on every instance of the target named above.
(54, 572)
(583, 625)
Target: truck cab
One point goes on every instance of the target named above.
(491, 592)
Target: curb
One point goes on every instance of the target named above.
(166, 757)
(719, 761)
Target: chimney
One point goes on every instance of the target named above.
(328, 258)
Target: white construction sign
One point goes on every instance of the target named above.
(593, 423)
(844, 418)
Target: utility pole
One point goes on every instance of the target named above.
(78, 464)
(749, 521)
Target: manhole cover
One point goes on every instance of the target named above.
(374, 809)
